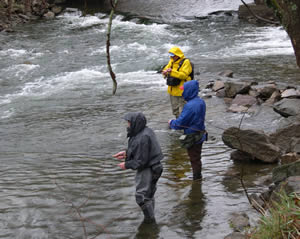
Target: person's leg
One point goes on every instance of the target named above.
(194, 153)
(177, 103)
(143, 195)
(174, 106)
(181, 103)
(156, 173)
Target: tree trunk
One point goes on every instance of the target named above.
(289, 14)
(27, 7)
(9, 7)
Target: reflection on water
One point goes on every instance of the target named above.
(146, 230)
(189, 212)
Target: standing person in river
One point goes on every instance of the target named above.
(191, 120)
(177, 71)
(143, 155)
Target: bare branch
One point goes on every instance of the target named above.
(76, 210)
(112, 74)
(258, 17)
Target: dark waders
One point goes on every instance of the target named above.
(146, 180)
(194, 153)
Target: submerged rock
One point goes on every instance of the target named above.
(239, 221)
(235, 235)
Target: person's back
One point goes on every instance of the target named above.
(143, 147)
(192, 121)
(192, 118)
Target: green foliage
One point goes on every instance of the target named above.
(294, 7)
(274, 5)
(282, 220)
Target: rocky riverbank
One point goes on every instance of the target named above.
(254, 145)
(19, 15)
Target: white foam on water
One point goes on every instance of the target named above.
(20, 71)
(168, 46)
(45, 87)
(151, 79)
(264, 41)
(7, 114)
(102, 50)
(75, 20)
(204, 7)
(16, 53)
(13, 52)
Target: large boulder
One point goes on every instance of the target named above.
(290, 93)
(244, 100)
(218, 85)
(275, 97)
(287, 137)
(232, 88)
(253, 142)
(287, 107)
(264, 91)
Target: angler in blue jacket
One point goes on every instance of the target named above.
(192, 121)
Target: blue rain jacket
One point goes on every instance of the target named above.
(192, 117)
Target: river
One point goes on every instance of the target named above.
(60, 124)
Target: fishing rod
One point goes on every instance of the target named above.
(79, 155)
(187, 127)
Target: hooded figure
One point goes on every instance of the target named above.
(143, 155)
(182, 74)
(192, 121)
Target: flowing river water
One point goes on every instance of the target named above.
(60, 124)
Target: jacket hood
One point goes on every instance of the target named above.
(176, 51)
(137, 122)
(190, 90)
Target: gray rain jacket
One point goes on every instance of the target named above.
(143, 148)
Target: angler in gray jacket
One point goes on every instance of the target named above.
(143, 155)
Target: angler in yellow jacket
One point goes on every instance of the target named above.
(177, 72)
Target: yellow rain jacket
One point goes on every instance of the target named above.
(183, 73)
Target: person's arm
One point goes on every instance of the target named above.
(140, 154)
(167, 69)
(182, 122)
(120, 155)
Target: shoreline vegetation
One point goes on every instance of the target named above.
(282, 220)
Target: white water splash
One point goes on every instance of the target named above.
(20, 71)
(13, 52)
(263, 42)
